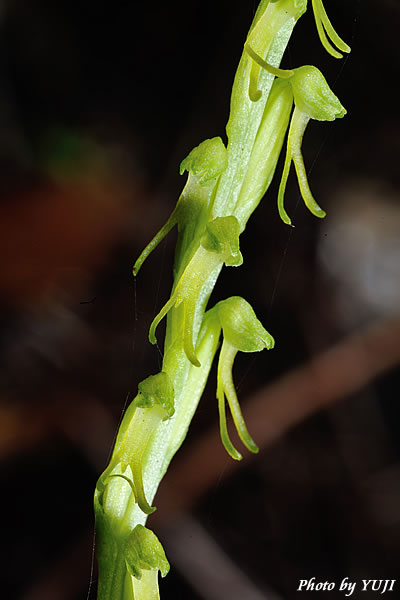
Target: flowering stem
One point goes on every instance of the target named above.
(224, 187)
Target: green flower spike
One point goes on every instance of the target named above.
(313, 99)
(243, 332)
(154, 403)
(276, 13)
(219, 245)
(204, 165)
(144, 557)
(325, 29)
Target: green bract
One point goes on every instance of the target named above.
(223, 188)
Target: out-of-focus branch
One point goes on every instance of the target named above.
(328, 378)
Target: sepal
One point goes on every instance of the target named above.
(153, 404)
(206, 161)
(242, 331)
(240, 326)
(219, 245)
(204, 164)
(222, 237)
(143, 551)
(313, 96)
(267, 28)
(156, 390)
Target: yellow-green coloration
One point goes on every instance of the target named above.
(242, 332)
(224, 186)
(153, 404)
(313, 99)
(326, 30)
(144, 552)
(261, 36)
(219, 245)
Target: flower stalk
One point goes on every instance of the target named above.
(224, 187)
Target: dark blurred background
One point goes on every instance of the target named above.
(99, 102)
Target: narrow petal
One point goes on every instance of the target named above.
(295, 138)
(226, 440)
(325, 28)
(226, 359)
(297, 128)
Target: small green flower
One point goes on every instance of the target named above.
(242, 332)
(143, 551)
(313, 99)
(219, 245)
(154, 403)
(266, 150)
(204, 164)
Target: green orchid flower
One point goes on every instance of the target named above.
(219, 245)
(313, 99)
(153, 404)
(242, 332)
